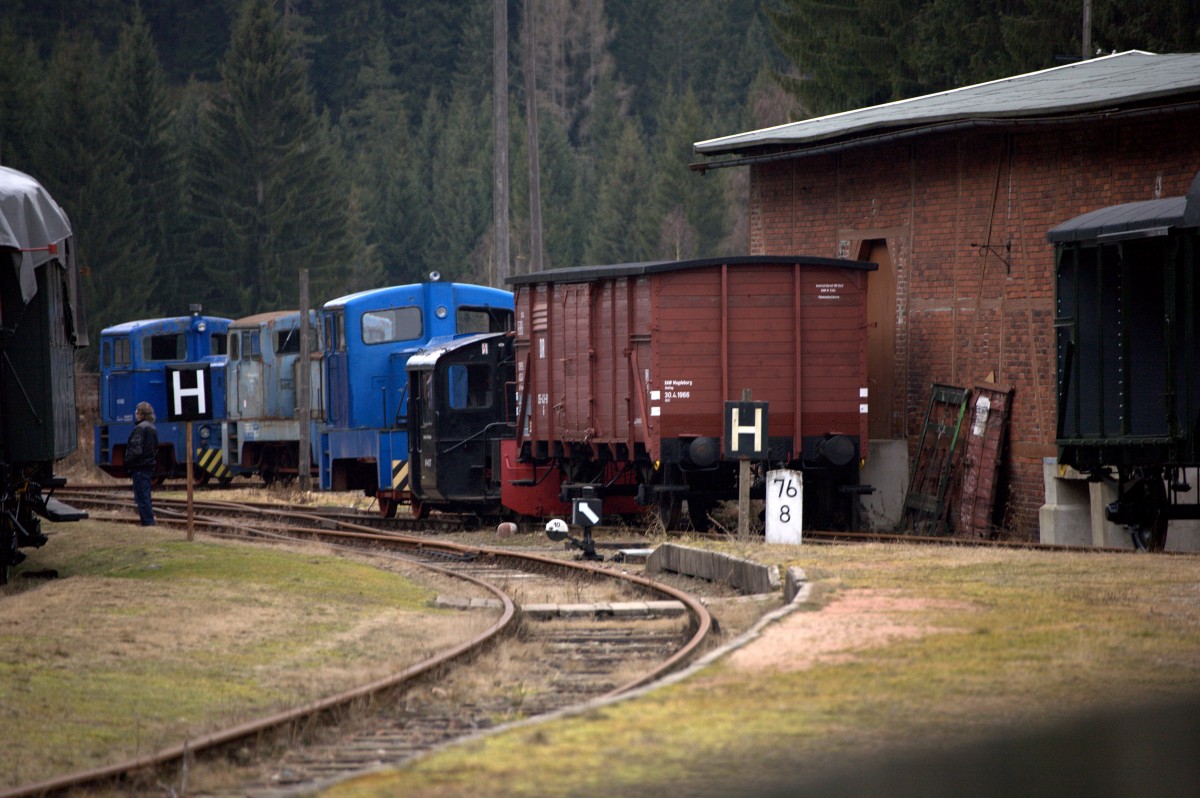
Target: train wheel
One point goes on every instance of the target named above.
(200, 477)
(418, 510)
(8, 551)
(669, 509)
(698, 510)
(387, 506)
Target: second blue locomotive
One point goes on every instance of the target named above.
(369, 337)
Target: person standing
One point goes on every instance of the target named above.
(139, 460)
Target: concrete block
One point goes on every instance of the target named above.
(886, 470)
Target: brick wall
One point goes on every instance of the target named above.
(965, 310)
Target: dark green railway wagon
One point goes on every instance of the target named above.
(41, 325)
(1127, 327)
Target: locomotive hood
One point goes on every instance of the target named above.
(31, 223)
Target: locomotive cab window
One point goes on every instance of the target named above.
(391, 325)
(484, 320)
(287, 342)
(467, 386)
(335, 332)
(172, 346)
(121, 352)
(251, 345)
(233, 345)
(217, 342)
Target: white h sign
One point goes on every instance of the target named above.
(196, 390)
(189, 392)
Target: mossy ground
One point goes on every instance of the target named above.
(145, 639)
(1013, 641)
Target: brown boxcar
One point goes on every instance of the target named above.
(623, 373)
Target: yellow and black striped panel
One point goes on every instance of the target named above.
(210, 460)
(399, 475)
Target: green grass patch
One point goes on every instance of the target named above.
(146, 639)
(1010, 641)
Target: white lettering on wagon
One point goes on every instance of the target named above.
(676, 389)
(830, 290)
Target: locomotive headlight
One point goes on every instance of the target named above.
(441, 312)
(205, 433)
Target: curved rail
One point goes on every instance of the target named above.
(343, 533)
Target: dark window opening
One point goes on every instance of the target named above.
(172, 346)
(468, 386)
(484, 320)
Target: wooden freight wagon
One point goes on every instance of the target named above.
(623, 373)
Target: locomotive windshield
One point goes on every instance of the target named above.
(484, 320)
(116, 352)
(172, 346)
(244, 344)
(391, 325)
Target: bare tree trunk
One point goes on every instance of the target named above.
(531, 121)
(1087, 29)
(500, 136)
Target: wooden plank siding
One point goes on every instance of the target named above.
(629, 359)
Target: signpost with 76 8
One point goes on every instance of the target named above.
(785, 505)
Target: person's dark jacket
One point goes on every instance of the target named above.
(142, 445)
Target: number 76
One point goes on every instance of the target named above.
(787, 487)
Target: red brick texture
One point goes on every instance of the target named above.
(965, 216)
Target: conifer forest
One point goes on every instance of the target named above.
(208, 151)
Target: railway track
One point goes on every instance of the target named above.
(588, 632)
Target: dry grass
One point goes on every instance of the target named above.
(978, 644)
(145, 640)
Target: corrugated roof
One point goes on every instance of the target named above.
(1111, 81)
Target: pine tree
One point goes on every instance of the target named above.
(377, 134)
(20, 75)
(142, 116)
(80, 166)
(460, 189)
(268, 184)
(688, 207)
(846, 51)
(620, 231)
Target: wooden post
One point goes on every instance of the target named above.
(190, 529)
(304, 391)
(744, 486)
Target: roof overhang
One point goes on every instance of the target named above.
(1102, 88)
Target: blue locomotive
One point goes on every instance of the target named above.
(266, 372)
(41, 326)
(134, 357)
(369, 337)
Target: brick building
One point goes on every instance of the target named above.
(952, 195)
